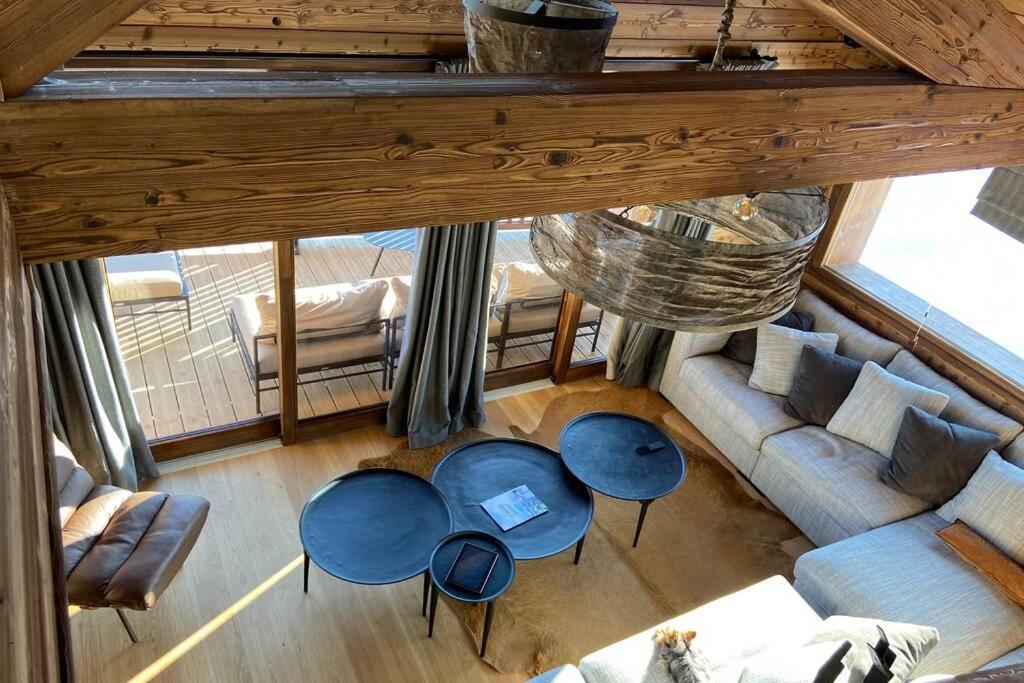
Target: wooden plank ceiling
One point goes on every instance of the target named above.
(666, 29)
(215, 159)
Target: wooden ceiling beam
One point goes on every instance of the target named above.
(99, 164)
(37, 36)
(959, 42)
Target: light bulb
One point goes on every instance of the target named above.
(745, 207)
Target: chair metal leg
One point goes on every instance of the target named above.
(188, 313)
(377, 262)
(127, 626)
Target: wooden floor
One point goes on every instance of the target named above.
(184, 381)
(236, 612)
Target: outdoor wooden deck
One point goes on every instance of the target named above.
(185, 381)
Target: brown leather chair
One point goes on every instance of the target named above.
(121, 549)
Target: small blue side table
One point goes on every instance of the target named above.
(441, 562)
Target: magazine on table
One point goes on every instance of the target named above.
(512, 508)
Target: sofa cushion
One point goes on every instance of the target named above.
(1009, 659)
(873, 412)
(729, 630)
(798, 664)
(962, 408)
(854, 341)
(908, 644)
(824, 482)
(903, 572)
(778, 355)
(934, 459)
(821, 384)
(742, 345)
(723, 384)
(992, 504)
(1015, 451)
(567, 673)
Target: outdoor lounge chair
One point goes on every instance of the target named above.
(147, 280)
(526, 305)
(121, 549)
(362, 337)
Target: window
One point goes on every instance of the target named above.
(914, 244)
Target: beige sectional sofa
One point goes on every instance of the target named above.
(878, 555)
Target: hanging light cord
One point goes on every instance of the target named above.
(723, 34)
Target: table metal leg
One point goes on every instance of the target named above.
(377, 262)
(433, 612)
(640, 522)
(305, 572)
(579, 549)
(488, 616)
(426, 591)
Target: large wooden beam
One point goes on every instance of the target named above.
(37, 36)
(960, 42)
(187, 161)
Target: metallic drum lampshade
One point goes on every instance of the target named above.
(647, 265)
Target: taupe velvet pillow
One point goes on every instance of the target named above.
(742, 346)
(822, 382)
(933, 459)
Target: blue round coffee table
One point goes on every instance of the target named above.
(374, 526)
(624, 457)
(477, 471)
(500, 580)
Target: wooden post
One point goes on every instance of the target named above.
(565, 336)
(287, 369)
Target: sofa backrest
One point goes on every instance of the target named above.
(73, 482)
(855, 341)
(1015, 451)
(962, 407)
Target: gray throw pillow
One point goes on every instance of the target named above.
(933, 459)
(873, 412)
(992, 504)
(822, 382)
(909, 643)
(742, 345)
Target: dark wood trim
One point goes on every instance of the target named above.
(287, 361)
(984, 383)
(314, 428)
(564, 342)
(592, 367)
(265, 62)
(519, 374)
(215, 438)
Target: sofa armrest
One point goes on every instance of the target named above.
(689, 344)
(567, 673)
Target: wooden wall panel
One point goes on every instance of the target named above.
(102, 176)
(31, 637)
(37, 36)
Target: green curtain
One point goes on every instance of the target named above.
(90, 396)
(439, 387)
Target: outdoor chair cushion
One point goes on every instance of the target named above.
(140, 277)
(828, 486)
(522, 281)
(531, 318)
(121, 549)
(320, 311)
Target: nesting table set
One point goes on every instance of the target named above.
(379, 526)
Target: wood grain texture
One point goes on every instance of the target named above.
(37, 36)
(998, 569)
(958, 42)
(282, 159)
(30, 642)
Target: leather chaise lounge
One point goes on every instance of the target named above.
(121, 549)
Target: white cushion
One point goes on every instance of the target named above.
(792, 665)
(525, 281)
(909, 642)
(327, 307)
(873, 412)
(992, 504)
(143, 276)
(730, 629)
(778, 354)
(396, 300)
